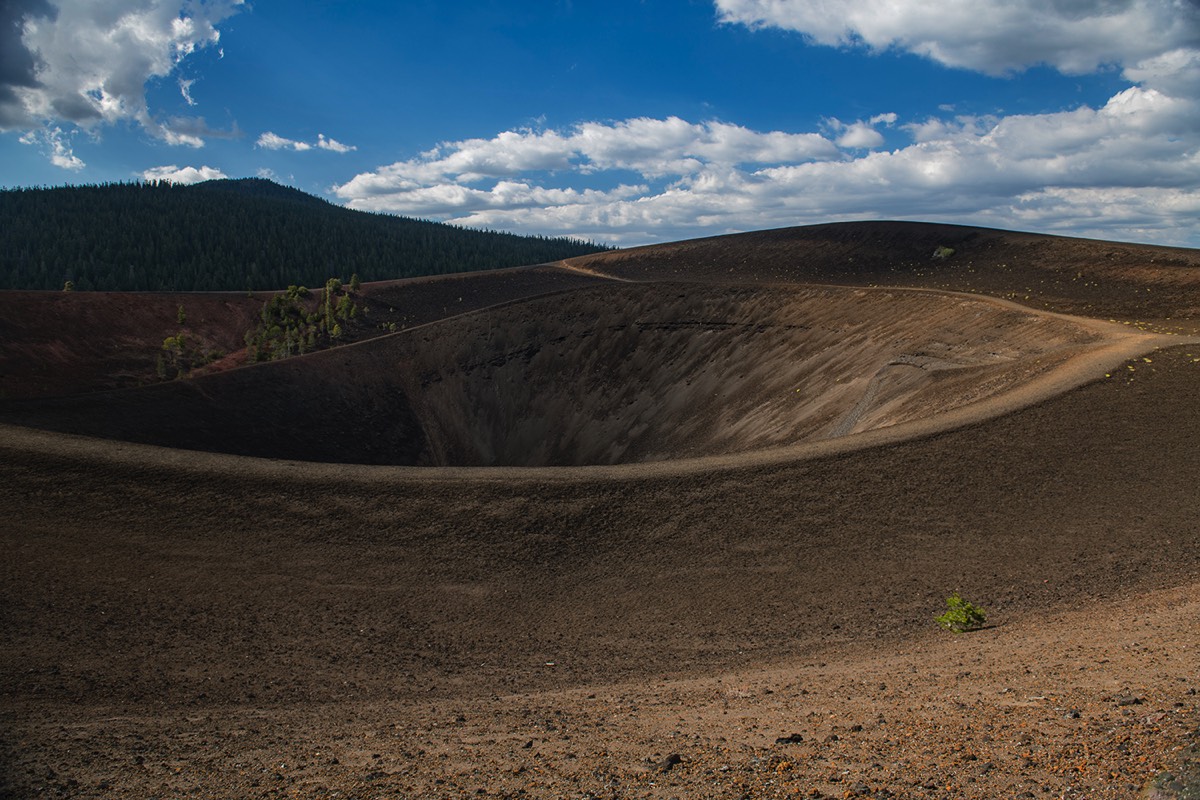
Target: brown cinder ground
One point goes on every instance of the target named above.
(193, 623)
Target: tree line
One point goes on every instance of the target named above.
(232, 235)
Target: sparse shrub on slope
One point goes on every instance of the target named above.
(290, 326)
(961, 615)
(182, 353)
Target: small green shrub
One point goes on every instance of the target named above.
(942, 252)
(291, 325)
(961, 615)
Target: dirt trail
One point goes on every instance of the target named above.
(594, 273)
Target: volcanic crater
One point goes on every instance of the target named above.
(616, 373)
(757, 623)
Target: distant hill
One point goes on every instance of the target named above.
(232, 235)
(1090, 277)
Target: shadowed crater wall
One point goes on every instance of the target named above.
(621, 373)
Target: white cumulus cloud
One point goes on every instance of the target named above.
(187, 175)
(56, 145)
(1130, 168)
(992, 36)
(653, 148)
(273, 141)
(185, 90)
(87, 63)
(333, 144)
(861, 135)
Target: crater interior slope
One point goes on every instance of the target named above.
(623, 373)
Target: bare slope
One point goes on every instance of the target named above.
(57, 343)
(1076, 276)
(616, 374)
(64, 343)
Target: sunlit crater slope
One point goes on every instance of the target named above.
(615, 374)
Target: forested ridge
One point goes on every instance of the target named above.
(232, 235)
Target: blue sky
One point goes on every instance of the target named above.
(629, 121)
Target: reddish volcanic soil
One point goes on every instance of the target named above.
(735, 600)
